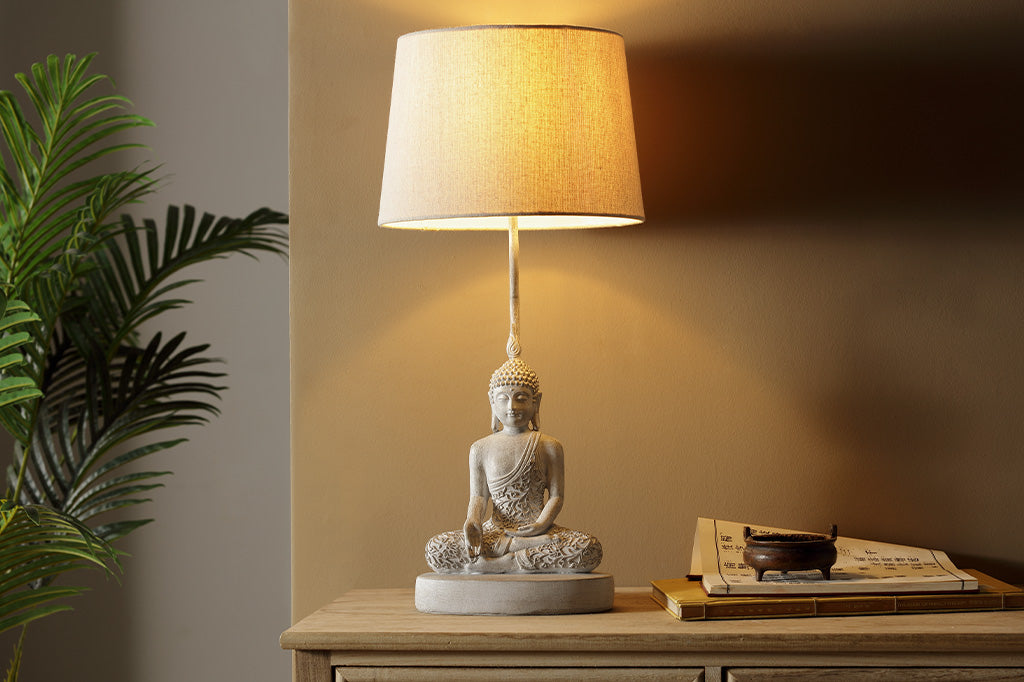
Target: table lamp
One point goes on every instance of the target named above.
(516, 127)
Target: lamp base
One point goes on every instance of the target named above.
(517, 594)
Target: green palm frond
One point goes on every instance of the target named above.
(39, 208)
(131, 283)
(14, 666)
(102, 388)
(77, 382)
(37, 544)
(74, 460)
(50, 220)
(15, 387)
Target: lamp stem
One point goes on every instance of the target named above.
(513, 348)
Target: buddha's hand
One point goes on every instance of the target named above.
(474, 537)
(529, 530)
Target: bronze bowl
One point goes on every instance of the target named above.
(790, 552)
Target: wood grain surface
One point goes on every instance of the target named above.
(387, 620)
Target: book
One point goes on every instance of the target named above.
(685, 599)
(862, 567)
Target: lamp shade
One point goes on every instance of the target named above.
(493, 122)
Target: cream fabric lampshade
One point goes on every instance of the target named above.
(491, 122)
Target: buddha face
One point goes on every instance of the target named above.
(514, 406)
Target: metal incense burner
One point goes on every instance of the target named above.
(790, 552)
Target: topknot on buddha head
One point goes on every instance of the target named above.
(515, 372)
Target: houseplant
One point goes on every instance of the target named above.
(80, 376)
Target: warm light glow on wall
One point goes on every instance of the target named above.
(461, 12)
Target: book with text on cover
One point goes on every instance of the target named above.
(686, 600)
(862, 567)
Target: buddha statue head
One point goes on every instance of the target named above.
(514, 394)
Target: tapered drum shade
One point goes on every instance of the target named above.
(493, 122)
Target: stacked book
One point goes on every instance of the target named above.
(867, 578)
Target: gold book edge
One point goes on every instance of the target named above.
(686, 600)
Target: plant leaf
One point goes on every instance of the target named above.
(73, 462)
(36, 545)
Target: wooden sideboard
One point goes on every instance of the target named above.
(379, 635)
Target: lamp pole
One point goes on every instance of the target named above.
(513, 349)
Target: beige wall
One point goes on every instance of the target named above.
(205, 593)
(820, 321)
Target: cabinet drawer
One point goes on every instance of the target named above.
(367, 674)
(874, 674)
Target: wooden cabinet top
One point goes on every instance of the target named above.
(386, 620)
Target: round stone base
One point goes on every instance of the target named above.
(514, 594)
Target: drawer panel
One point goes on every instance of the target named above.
(874, 674)
(369, 674)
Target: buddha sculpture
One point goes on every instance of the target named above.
(521, 472)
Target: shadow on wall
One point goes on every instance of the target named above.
(33, 30)
(893, 131)
(910, 150)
